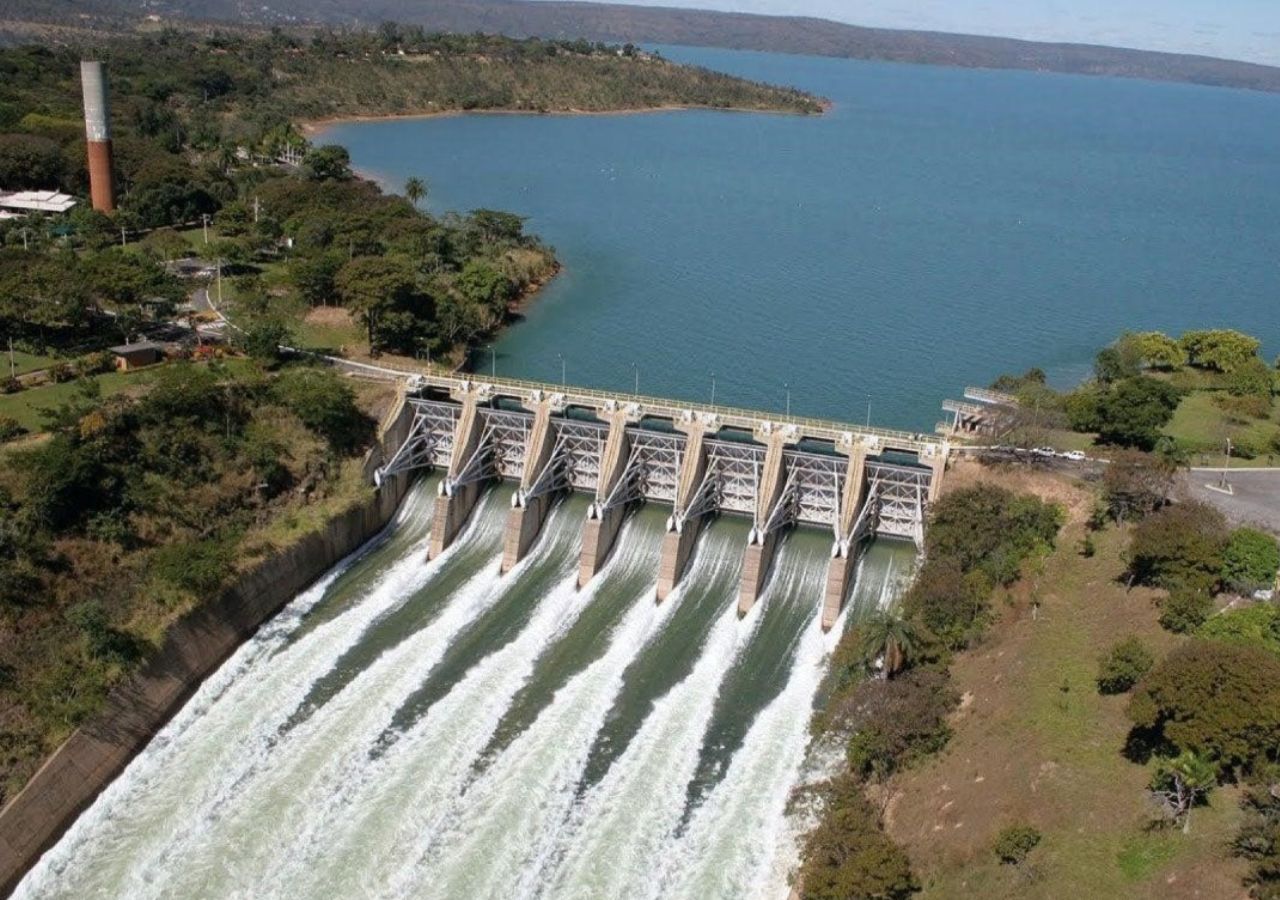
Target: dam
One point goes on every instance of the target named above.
(860, 482)
(486, 701)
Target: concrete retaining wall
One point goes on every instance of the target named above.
(194, 648)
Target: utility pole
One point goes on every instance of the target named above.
(1223, 484)
(787, 385)
(636, 367)
(122, 241)
(562, 369)
(255, 209)
(493, 361)
(204, 223)
(868, 410)
(713, 388)
(13, 366)
(219, 282)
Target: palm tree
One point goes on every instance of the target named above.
(888, 641)
(415, 189)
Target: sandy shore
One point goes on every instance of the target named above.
(314, 127)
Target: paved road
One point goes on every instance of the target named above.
(1255, 499)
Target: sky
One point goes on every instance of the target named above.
(1235, 29)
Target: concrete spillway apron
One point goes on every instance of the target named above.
(458, 493)
(763, 540)
(686, 519)
(604, 518)
(534, 498)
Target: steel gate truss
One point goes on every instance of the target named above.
(508, 434)
(734, 467)
(901, 498)
(552, 479)
(430, 439)
(705, 500)
(819, 486)
(583, 445)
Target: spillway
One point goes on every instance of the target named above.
(409, 728)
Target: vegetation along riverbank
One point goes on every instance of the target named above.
(1081, 685)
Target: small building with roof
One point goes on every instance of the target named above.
(137, 355)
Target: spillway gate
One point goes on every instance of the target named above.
(777, 471)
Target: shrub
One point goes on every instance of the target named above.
(895, 723)
(1123, 666)
(1256, 625)
(1136, 485)
(10, 428)
(1180, 546)
(991, 529)
(952, 605)
(1015, 843)
(1250, 560)
(848, 856)
(1185, 609)
(61, 372)
(1215, 699)
(325, 404)
(196, 566)
(10, 386)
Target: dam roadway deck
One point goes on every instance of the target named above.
(778, 471)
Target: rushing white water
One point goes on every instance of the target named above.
(339, 752)
(617, 830)
(730, 846)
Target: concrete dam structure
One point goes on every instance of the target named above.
(860, 482)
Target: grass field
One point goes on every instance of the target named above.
(24, 362)
(1035, 743)
(25, 406)
(1202, 425)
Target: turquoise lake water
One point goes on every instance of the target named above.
(936, 228)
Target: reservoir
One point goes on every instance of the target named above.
(937, 228)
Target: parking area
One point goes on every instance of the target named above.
(1254, 497)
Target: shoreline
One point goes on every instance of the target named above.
(314, 127)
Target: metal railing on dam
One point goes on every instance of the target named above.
(779, 471)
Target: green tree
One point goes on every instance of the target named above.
(1222, 350)
(1158, 350)
(325, 404)
(1182, 783)
(1252, 378)
(1250, 560)
(887, 642)
(1123, 666)
(327, 163)
(1179, 546)
(1134, 410)
(314, 277)
(1117, 362)
(373, 287)
(1212, 698)
(415, 189)
(28, 161)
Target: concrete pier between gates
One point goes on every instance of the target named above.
(530, 512)
(457, 495)
(683, 528)
(604, 519)
(763, 541)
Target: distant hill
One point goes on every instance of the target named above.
(617, 23)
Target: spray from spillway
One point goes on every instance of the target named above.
(349, 749)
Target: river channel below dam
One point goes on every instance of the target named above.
(432, 729)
